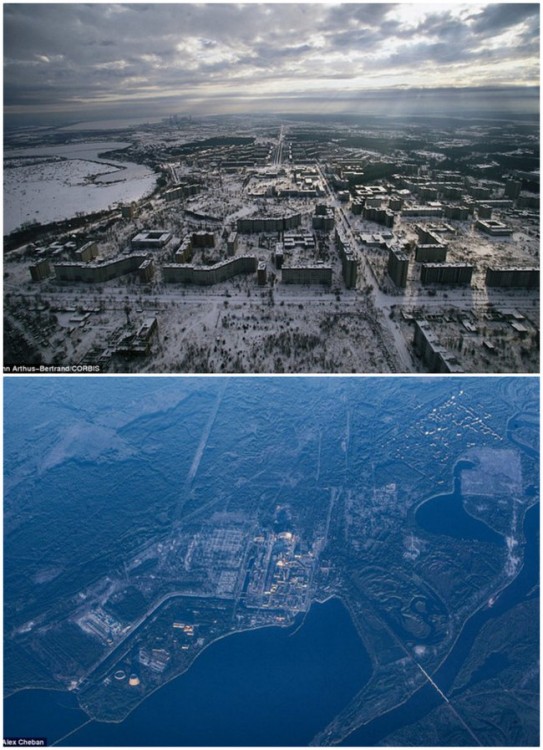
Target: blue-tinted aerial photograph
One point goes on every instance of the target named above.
(267, 561)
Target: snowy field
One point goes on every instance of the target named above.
(74, 180)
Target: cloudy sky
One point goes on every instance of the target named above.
(96, 59)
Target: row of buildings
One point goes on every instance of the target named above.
(111, 269)
(459, 273)
(257, 224)
(206, 275)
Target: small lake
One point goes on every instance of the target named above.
(272, 686)
(445, 514)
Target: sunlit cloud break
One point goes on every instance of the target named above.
(223, 58)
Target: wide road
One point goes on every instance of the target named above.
(278, 157)
(467, 299)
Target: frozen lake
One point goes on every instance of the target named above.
(49, 183)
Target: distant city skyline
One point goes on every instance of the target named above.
(99, 60)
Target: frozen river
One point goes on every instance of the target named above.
(49, 183)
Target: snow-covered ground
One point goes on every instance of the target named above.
(49, 191)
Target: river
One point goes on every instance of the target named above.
(427, 698)
(51, 183)
(271, 686)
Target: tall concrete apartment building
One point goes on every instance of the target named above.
(512, 277)
(397, 267)
(207, 275)
(307, 275)
(101, 272)
(349, 262)
(429, 247)
(436, 357)
(446, 273)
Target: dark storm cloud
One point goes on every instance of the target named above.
(56, 54)
(495, 18)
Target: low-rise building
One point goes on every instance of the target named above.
(300, 239)
(493, 227)
(428, 210)
(150, 239)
